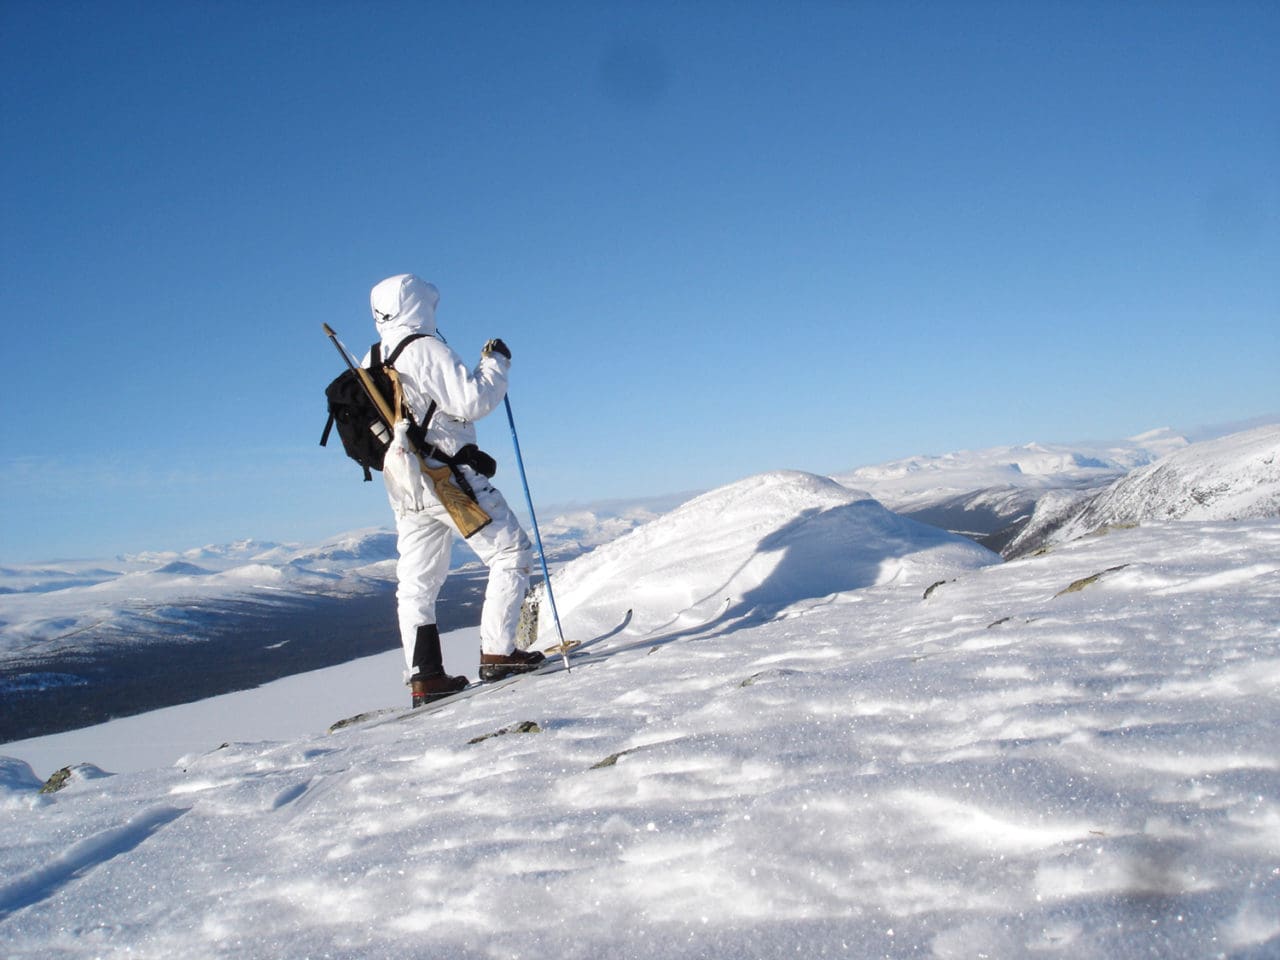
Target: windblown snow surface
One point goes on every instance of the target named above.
(786, 750)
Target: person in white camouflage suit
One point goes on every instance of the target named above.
(446, 398)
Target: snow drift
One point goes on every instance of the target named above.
(752, 547)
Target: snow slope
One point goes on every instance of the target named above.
(575, 529)
(1065, 756)
(1232, 477)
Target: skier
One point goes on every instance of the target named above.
(445, 398)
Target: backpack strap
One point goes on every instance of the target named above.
(395, 354)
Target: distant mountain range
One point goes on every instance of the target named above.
(989, 495)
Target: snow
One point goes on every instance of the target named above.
(989, 495)
(755, 764)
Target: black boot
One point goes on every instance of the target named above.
(496, 666)
(429, 681)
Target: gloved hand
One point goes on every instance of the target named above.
(497, 346)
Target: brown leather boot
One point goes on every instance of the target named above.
(429, 681)
(435, 687)
(496, 666)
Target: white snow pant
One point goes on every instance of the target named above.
(425, 542)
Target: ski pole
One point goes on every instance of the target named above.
(542, 555)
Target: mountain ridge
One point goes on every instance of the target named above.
(1227, 478)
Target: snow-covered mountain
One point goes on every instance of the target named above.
(1230, 478)
(47, 608)
(793, 747)
(988, 494)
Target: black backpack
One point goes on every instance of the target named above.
(364, 435)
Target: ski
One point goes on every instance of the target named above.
(376, 718)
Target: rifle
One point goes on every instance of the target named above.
(467, 515)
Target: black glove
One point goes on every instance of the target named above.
(497, 346)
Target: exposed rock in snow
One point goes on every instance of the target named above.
(75, 773)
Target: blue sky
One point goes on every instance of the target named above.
(719, 237)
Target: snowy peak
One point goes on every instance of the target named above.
(87, 604)
(355, 548)
(753, 547)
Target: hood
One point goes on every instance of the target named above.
(402, 305)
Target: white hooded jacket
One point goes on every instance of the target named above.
(429, 369)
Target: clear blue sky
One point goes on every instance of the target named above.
(719, 237)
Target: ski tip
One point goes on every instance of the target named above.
(328, 330)
(562, 647)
